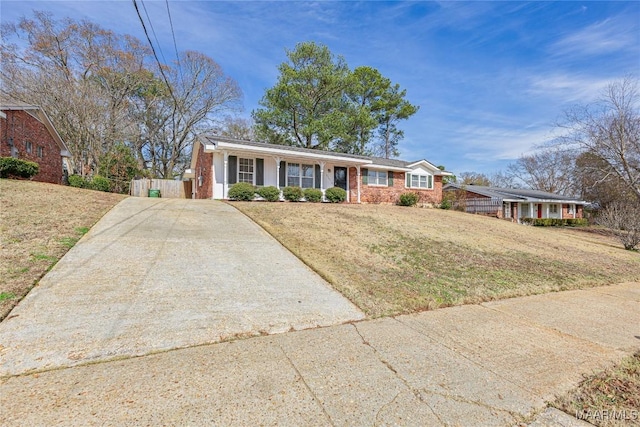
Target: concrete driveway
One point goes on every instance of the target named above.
(161, 274)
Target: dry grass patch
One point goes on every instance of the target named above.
(390, 260)
(38, 224)
(609, 398)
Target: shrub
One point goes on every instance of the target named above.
(11, 167)
(78, 181)
(100, 183)
(242, 191)
(335, 194)
(445, 204)
(292, 194)
(408, 199)
(270, 194)
(555, 222)
(312, 195)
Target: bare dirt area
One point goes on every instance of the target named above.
(39, 223)
(390, 260)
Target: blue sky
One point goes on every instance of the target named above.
(491, 78)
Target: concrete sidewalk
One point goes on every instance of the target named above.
(480, 365)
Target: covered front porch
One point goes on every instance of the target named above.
(263, 165)
(542, 209)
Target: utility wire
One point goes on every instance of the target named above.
(164, 60)
(155, 55)
(175, 45)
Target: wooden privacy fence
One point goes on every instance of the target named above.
(481, 206)
(169, 188)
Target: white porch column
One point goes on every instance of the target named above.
(213, 176)
(321, 164)
(530, 210)
(574, 211)
(548, 211)
(277, 160)
(225, 178)
(358, 181)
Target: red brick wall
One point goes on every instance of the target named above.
(23, 127)
(203, 168)
(382, 194)
(566, 214)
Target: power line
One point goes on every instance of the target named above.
(153, 31)
(155, 55)
(175, 45)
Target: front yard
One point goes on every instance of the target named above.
(390, 260)
(38, 224)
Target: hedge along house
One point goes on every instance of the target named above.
(217, 163)
(515, 204)
(27, 133)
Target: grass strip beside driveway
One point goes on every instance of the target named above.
(391, 260)
(39, 223)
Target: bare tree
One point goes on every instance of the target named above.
(199, 93)
(237, 128)
(101, 89)
(473, 178)
(80, 73)
(623, 219)
(610, 131)
(550, 169)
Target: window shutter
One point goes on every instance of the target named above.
(317, 173)
(233, 170)
(283, 174)
(365, 175)
(408, 180)
(390, 178)
(259, 171)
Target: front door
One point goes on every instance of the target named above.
(340, 177)
(539, 210)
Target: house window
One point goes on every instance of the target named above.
(377, 177)
(421, 181)
(553, 209)
(40, 152)
(28, 146)
(300, 175)
(570, 209)
(245, 170)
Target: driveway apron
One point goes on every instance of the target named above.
(160, 274)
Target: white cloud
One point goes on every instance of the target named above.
(603, 37)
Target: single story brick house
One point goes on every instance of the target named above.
(27, 133)
(217, 163)
(515, 204)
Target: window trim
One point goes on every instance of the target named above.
(377, 183)
(253, 170)
(428, 177)
(301, 175)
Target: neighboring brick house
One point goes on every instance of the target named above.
(27, 133)
(513, 203)
(217, 163)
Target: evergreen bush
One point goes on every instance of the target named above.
(335, 194)
(242, 191)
